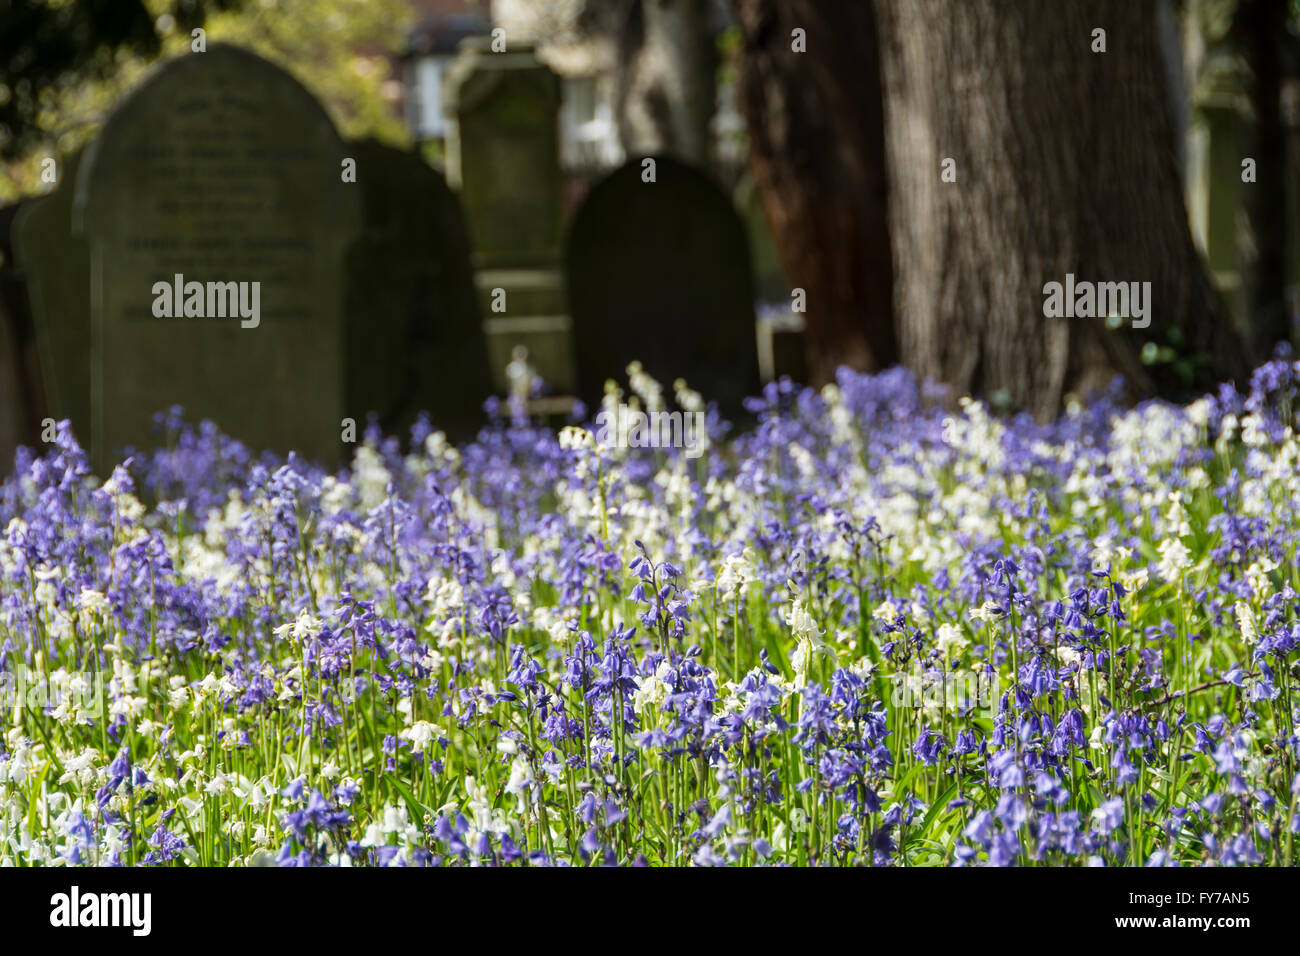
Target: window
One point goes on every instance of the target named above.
(424, 97)
(588, 138)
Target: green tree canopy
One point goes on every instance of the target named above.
(65, 63)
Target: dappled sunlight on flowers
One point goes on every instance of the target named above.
(871, 629)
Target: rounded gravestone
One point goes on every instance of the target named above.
(20, 404)
(659, 272)
(223, 170)
(414, 339)
(55, 266)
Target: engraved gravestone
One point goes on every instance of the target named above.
(218, 221)
(414, 341)
(659, 272)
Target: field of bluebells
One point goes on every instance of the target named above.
(871, 630)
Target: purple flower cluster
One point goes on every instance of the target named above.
(874, 628)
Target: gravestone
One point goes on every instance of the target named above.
(221, 168)
(1213, 187)
(20, 405)
(660, 272)
(503, 153)
(503, 158)
(414, 339)
(55, 265)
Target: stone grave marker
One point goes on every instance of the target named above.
(55, 266)
(660, 272)
(503, 153)
(503, 159)
(21, 407)
(222, 170)
(414, 339)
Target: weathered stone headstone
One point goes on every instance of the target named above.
(414, 337)
(55, 265)
(503, 154)
(1213, 186)
(503, 159)
(659, 272)
(222, 169)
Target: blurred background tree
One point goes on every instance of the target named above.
(667, 76)
(1066, 160)
(49, 46)
(64, 64)
(1064, 149)
(817, 152)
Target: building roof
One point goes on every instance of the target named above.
(443, 33)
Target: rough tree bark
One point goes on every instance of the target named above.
(817, 155)
(1066, 163)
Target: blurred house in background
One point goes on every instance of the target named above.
(432, 44)
(589, 142)
(586, 43)
(634, 80)
(560, 32)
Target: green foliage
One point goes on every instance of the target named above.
(51, 45)
(339, 49)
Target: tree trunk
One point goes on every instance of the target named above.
(817, 155)
(1066, 163)
(667, 79)
(1260, 26)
